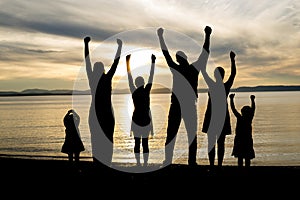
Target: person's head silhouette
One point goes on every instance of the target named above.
(219, 71)
(246, 111)
(99, 68)
(139, 81)
(181, 57)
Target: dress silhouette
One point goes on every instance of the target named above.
(72, 144)
(226, 130)
(101, 116)
(141, 124)
(184, 97)
(243, 140)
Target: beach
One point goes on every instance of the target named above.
(43, 171)
(45, 178)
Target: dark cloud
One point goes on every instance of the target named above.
(22, 52)
(62, 28)
(42, 51)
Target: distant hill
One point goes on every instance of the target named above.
(37, 92)
(267, 88)
(261, 88)
(34, 92)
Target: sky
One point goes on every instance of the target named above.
(42, 41)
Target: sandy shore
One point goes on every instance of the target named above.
(46, 172)
(37, 168)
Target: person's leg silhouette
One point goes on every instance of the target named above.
(221, 149)
(174, 120)
(145, 150)
(137, 142)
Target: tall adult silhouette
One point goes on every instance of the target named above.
(219, 137)
(184, 96)
(141, 124)
(101, 115)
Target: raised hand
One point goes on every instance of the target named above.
(87, 39)
(119, 41)
(127, 63)
(128, 57)
(232, 95)
(232, 55)
(207, 30)
(153, 58)
(160, 31)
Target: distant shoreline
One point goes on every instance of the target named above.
(43, 92)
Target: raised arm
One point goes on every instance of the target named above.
(76, 118)
(87, 57)
(210, 82)
(130, 80)
(235, 112)
(66, 117)
(164, 47)
(206, 44)
(201, 62)
(252, 97)
(150, 80)
(230, 80)
(113, 68)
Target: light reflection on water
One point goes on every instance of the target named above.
(32, 125)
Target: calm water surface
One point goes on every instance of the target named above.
(32, 126)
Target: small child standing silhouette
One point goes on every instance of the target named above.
(72, 144)
(243, 141)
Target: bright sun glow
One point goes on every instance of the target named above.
(140, 62)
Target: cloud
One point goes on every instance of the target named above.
(49, 34)
(23, 83)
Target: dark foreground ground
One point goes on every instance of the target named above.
(19, 174)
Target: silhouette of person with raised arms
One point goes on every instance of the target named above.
(141, 124)
(243, 140)
(184, 96)
(101, 110)
(226, 130)
(72, 144)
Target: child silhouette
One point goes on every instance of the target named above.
(243, 141)
(72, 144)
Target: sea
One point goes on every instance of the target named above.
(32, 127)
